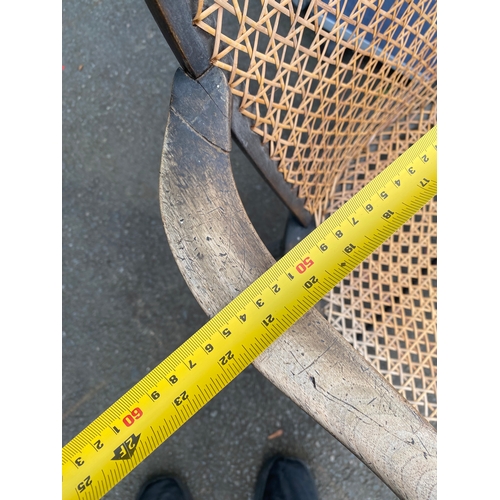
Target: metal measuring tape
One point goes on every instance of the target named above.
(144, 417)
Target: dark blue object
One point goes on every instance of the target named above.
(364, 43)
(164, 488)
(283, 478)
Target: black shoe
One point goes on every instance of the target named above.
(164, 488)
(285, 479)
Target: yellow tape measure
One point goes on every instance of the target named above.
(127, 432)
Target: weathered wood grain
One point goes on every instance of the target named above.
(219, 254)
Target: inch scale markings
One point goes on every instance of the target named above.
(125, 434)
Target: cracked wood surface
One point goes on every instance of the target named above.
(219, 254)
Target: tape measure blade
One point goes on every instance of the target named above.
(146, 415)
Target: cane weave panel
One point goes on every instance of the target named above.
(386, 308)
(317, 96)
(336, 106)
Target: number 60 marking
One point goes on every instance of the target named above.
(136, 413)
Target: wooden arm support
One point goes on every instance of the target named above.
(219, 254)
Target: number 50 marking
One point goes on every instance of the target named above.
(302, 266)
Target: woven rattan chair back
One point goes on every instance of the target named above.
(335, 90)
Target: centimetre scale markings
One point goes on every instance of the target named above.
(133, 427)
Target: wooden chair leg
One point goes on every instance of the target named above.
(219, 254)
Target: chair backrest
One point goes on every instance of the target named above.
(319, 79)
(326, 94)
(316, 80)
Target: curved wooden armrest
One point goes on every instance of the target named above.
(220, 254)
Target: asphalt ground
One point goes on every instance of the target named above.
(125, 304)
